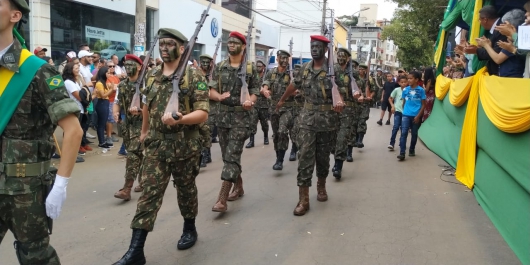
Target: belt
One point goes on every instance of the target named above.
(174, 136)
(231, 109)
(325, 107)
(22, 170)
(349, 103)
(136, 123)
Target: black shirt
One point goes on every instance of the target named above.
(388, 87)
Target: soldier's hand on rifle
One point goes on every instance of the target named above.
(339, 107)
(265, 92)
(279, 105)
(167, 119)
(357, 94)
(247, 105)
(56, 198)
(361, 98)
(135, 111)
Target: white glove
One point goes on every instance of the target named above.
(56, 198)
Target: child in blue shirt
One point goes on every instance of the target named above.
(413, 98)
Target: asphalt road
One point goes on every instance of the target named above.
(381, 212)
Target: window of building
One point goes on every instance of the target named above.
(241, 7)
(387, 57)
(197, 51)
(374, 43)
(149, 28)
(354, 42)
(224, 45)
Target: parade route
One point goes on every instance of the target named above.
(382, 211)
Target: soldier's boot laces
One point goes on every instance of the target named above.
(279, 160)
(237, 191)
(266, 139)
(360, 142)
(322, 195)
(208, 155)
(337, 169)
(220, 205)
(303, 202)
(125, 192)
(251, 142)
(135, 254)
(349, 154)
(292, 156)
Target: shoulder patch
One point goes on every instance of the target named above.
(55, 82)
(202, 86)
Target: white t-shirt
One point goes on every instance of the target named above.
(72, 87)
(118, 70)
(86, 74)
(2, 52)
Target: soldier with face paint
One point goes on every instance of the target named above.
(274, 87)
(131, 127)
(172, 146)
(205, 64)
(318, 123)
(363, 108)
(234, 120)
(261, 110)
(297, 108)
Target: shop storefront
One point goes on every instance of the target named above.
(266, 39)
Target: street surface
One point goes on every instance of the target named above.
(381, 212)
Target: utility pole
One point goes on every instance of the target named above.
(323, 29)
(349, 39)
(139, 24)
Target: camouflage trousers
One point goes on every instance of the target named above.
(362, 111)
(205, 132)
(294, 131)
(262, 117)
(315, 147)
(231, 141)
(282, 123)
(155, 178)
(25, 216)
(133, 165)
(344, 133)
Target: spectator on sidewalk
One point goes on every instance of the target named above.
(388, 88)
(396, 104)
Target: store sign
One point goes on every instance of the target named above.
(214, 27)
(108, 42)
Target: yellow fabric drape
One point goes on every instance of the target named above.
(439, 49)
(442, 86)
(465, 165)
(475, 26)
(459, 91)
(506, 102)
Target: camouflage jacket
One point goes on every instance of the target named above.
(180, 142)
(361, 83)
(262, 102)
(316, 88)
(278, 83)
(27, 137)
(342, 79)
(225, 79)
(133, 123)
(379, 81)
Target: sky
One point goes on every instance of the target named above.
(385, 8)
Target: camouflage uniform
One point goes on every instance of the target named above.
(297, 108)
(170, 150)
(262, 108)
(358, 107)
(27, 140)
(206, 132)
(363, 111)
(234, 123)
(378, 85)
(346, 117)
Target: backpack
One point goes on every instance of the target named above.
(86, 97)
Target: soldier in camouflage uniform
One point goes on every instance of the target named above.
(297, 108)
(261, 110)
(342, 79)
(206, 130)
(352, 139)
(379, 81)
(235, 119)
(318, 123)
(363, 110)
(274, 87)
(131, 127)
(172, 147)
(33, 102)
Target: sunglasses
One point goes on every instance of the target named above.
(111, 66)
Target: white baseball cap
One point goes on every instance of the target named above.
(84, 53)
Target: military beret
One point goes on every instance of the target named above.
(345, 51)
(132, 57)
(21, 5)
(206, 56)
(172, 34)
(364, 66)
(319, 38)
(297, 66)
(238, 35)
(283, 52)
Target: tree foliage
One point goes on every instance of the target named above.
(414, 30)
(349, 21)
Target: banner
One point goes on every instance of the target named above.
(108, 42)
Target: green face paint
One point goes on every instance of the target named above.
(235, 46)
(205, 64)
(131, 68)
(169, 50)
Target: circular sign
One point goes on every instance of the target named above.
(214, 27)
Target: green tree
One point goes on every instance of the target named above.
(414, 30)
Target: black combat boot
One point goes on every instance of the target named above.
(189, 235)
(204, 157)
(349, 154)
(251, 142)
(135, 254)
(209, 155)
(360, 141)
(279, 160)
(337, 172)
(266, 138)
(292, 156)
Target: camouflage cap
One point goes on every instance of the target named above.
(355, 62)
(172, 34)
(21, 5)
(345, 51)
(260, 61)
(283, 52)
(297, 66)
(364, 66)
(206, 56)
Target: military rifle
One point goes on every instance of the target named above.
(353, 83)
(291, 60)
(268, 63)
(368, 70)
(335, 95)
(141, 77)
(212, 64)
(173, 105)
(245, 95)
